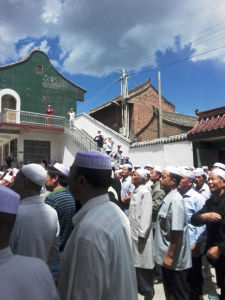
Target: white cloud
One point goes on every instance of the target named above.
(26, 49)
(98, 37)
(52, 11)
(44, 46)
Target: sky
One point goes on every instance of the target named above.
(91, 41)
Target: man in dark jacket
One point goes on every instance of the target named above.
(213, 215)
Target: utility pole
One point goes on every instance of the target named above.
(160, 106)
(125, 109)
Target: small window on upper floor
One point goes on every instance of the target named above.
(39, 69)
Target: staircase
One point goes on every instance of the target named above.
(80, 137)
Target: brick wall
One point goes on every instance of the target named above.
(143, 118)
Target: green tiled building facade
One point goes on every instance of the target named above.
(39, 84)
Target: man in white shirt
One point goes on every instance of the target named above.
(200, 181)
(21, 277)
(97, 260)
(36, 230)
(71, 114)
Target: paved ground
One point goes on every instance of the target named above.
(159, 292)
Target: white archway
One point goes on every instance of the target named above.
(16, 96)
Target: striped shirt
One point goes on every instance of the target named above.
(62, 201)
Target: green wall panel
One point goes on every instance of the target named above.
(36, 91)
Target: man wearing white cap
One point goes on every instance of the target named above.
(21, 277)
(213, 215)
(71, 114)
(126, 187)
(62, 201)
(97, 260)
(140, 216)
(7, 180)
(157, 196)
(193, 203)
(36, 230)
(201, 185)
(172, 244)
(157, 193)
(218, 165)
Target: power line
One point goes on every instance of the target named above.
(178, 61)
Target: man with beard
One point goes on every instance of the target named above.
(213, 215)
(140, 216)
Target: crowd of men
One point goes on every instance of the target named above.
(108, 233)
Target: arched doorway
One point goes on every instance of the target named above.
(9, 102)
(9, 99)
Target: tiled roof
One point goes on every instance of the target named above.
(179, 119)
(131, 93)
(164, 140)
(210, 122)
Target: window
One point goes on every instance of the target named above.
(39, 69)
(34, 151)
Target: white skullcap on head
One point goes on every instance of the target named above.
(137, 166)
(219, 172)
(204, 167)
(199, 172)
(35, 173)
(127, 166)
(113, 164)
(158, 169)
(149, 166)
(93, 160)
(142, 173)
(9, 200)
(219, 165)
(8, 177)
(61, 168)
(15, 171)
(119, 171)
(187, 173)
(173, 170)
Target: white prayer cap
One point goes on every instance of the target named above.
(219, 165)
(199, 172)
(149, 166)
(147, 172)
(158, 169)
(119, 171)
(9, 200)
(35, 173)
(173, 170)
(219, 172)
(93, 160)
(142, 173)
(205, 167)
(185, 167)
(127, 166)
(113, 164)
(61, 168)
(187, 173)
(15, 171)
(137, 166)
(8, 177)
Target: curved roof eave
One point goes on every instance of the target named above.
(29, 55)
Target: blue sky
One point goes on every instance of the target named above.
(90, 41)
